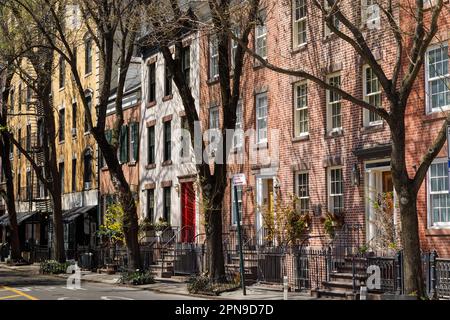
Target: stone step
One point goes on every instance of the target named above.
(341, 294)
(347, 276)
(346, 285)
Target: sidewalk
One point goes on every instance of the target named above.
(176, 285)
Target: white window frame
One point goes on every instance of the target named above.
(299, 25)
(365, 5)
(330, 104)
(238, 136)
(430, 109)
(430, 224)
(330, 195)
(298, 110)
(261, 34)
(214, 122)
(213, 58)
(307, 197)
(234, 46)
(327, 31)
(366, 113)
(259, 118)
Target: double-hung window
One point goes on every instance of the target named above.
(151, 145)
(238, 128)
(302, 191)
(334, 110)
(62, 124)
(261, 35)
(334, 19)
(167, 141)
(214, 123)
(301, 126)
(299, 22)
(213, 58)
(151, 204)
(372, 95)
(437, 78)
(152, 82)
(439, 197)
(261, 118)
(335, 190)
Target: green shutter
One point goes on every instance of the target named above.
(108, 135)
(135, 137)
(124, 144)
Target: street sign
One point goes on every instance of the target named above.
(239, 180)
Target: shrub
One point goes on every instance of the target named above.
(137, 277)
(199, 284)
(53, 267)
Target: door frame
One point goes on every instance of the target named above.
(258, 200)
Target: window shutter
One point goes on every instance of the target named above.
(135, 139)
(108, 135)
(124, 144)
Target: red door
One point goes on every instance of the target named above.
(188, 212)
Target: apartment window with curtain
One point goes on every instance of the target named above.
(151, 145)
(335, 190)
(261, 34)
(300, 23)
(372, 95)
(74, 175)
(88, 56)
(62, 72)
(437, 76)
(186, 64)
(301, 116)
(151, 204)
(334, 108)
(152, 82)
(261, 118)
(167, 141)
(62, 124)
(233, 204)
(438, 194)
(166, 203)
(213, 57)
(302, 191)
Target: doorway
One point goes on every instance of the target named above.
(265, 200)
(187, 212)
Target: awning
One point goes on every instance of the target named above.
(21, 217)
(72, 214)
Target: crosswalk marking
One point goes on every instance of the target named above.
(20, 293)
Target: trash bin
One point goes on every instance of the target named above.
(86, 260)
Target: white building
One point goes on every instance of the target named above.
(167, 184)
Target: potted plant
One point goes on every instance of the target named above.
(160, 226)
(331, 221)
(147, 229)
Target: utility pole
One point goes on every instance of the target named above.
(239, 180)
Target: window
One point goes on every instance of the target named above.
(185, 142)
(372, 95)
(234, 46)
(238, 134)
(261, 35)
(108, 136)
(28, 97)
(19, 140)
(28, 138)
(87, 177)
(437, 78)
(213, 57)
(123, 145)
(299, 20)
(61, 175)
(302, 191)
(214, 123)
(151, 145)
(335, 190)
(20, 97)
(186, 64)
(62, 72)
(151, 204)
(62, 124)
(166, 204)
(370, 13)
(28, 185)
(12, 100)
(261, 118)
(334, 112)
(439, 201)
(301, 126)
(334, 22)
(167, 141)
(19, 191)
(233, 204)
(88, 56)
(167, 82)
(74, 175)
(74, 118)
(134, 141)
(89, 107)
(152, 82)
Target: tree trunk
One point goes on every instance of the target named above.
(58, 231)
(9, 199)
(214, 242)
(131, 229)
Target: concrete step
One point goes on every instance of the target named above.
(335, 293)
(347, 276)
(346, 285)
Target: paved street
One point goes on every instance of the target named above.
(16, 285)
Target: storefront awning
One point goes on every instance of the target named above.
(21, 217)
(72, 214)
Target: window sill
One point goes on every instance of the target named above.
(167, 163)
(151, 104)
(236, 150)
(437, 231)
(334, 134)
(150, 166)
(87, 133)
(261, 146)
(373, 128)
(299, 48)
(213, 81)
(329, 37)
(434, 116)
(301, 138)
(167, 98)
(88, 74)
(61, 89)
(132, 164)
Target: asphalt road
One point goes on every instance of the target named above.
(16, 285)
